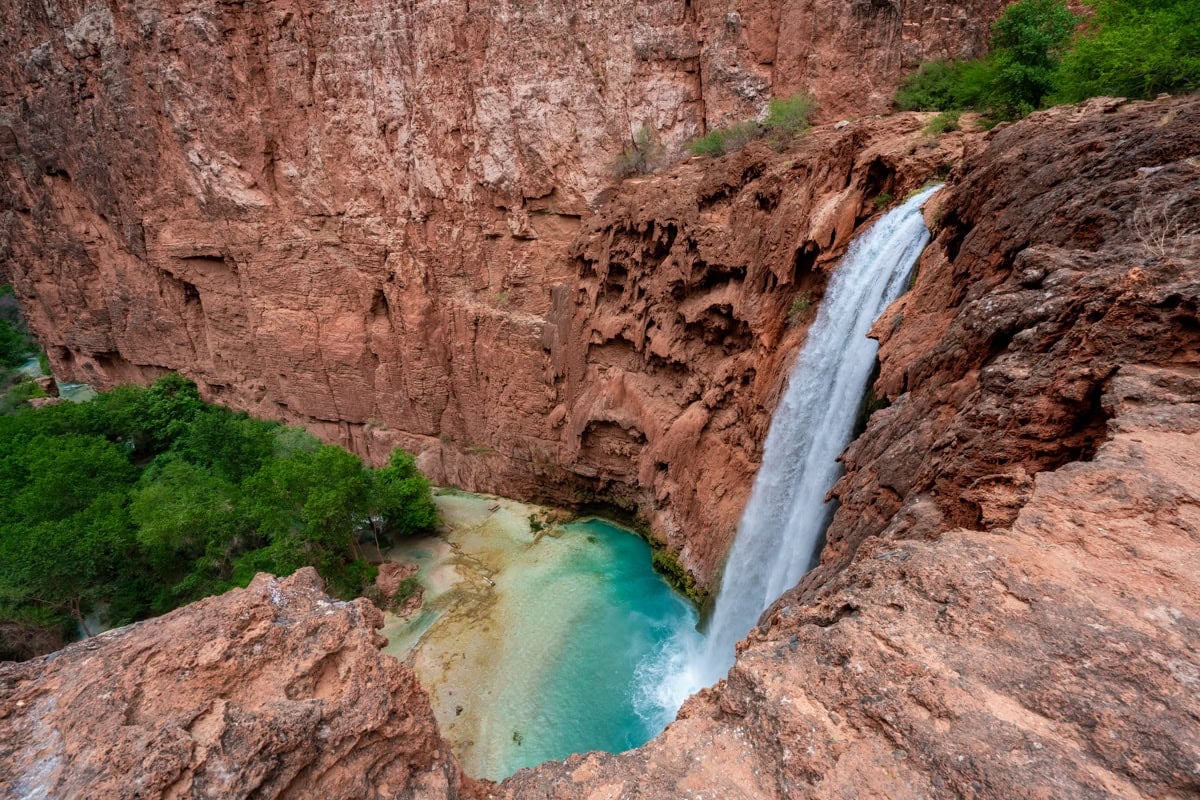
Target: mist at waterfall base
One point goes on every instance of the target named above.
(786, 515)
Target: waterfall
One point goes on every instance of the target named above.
(786, 516)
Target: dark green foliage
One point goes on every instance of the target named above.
(1039, 55)
(1027, 43)
(1012, 80)
(233, 446)
(146, 498)
(786, 119)
(666, 564)
(721, 141)
(402, 497)
(14, 345)
(1133, 48)
(946, 85)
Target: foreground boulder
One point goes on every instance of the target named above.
(272, 690)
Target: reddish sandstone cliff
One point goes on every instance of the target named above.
(1009, 602)
(1032, 636)
(359, 217)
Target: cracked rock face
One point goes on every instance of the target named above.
(1009, 602)
(1043, 646)
(361, 217)
(272, 690)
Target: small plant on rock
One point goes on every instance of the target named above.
(945, 122)
(640, 158)
(800, 309)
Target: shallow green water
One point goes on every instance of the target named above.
(540, 647)
(612, 615)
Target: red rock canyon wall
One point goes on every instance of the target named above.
(363, 217)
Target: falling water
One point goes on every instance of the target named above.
(787, 514)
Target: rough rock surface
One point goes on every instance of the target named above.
(1054, 658)
(273, 690)
(359, 216)
(1027, 631)
(1066, 250)
(1010, 600)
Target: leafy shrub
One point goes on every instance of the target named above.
(1027, 43)
(943, 123)
(882, 200)
(789, 117)
(946, 85)
(722, 141)
(14, 345)
(1133, 48)
(640, 158)
(800, 309)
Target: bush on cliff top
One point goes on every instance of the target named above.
(1040, 54)
(147, 498)
(786, 119)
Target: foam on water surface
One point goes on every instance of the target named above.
(536, 647)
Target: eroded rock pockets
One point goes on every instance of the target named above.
(361, 220)
(1009, 602)
(693, 293)
(1064, 251)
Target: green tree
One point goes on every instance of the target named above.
(14, 345)
(70, 563)
(233, 446)
(309, 506)
(1133, 48)
(183, 511)
(401, 497)
(57, 476)
(170, 406)
(1027, 44)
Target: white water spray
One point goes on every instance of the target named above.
(787, 514)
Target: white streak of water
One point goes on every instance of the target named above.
(787, 514)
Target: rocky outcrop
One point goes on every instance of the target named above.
(361, 218)
(273, 690)
(1009, 602)
(1053, 657)
(1065, 251)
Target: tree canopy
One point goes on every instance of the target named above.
(147, 498)
(1042, 53)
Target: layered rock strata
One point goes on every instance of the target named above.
(360, 218)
